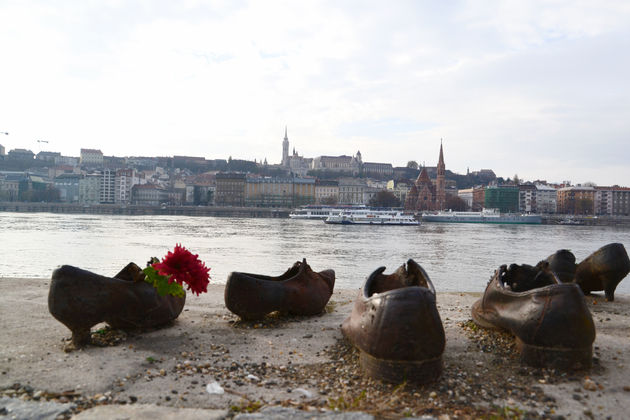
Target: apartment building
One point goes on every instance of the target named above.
(279, 192)
(326, 191)
(230, 189)
(576, 200)
(91, 157)
(123, 183)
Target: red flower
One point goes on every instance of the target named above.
(184, 267)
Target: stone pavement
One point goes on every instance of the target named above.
(165, 373)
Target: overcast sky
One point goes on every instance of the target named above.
(538, 89)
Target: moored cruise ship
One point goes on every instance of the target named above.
(485, 216)
(321, 212)
(372, 217)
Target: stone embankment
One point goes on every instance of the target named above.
(571, 220)
(139, 210)
(211, 365)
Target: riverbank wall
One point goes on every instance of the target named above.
(132, 210)
(571, 220)
(258, 212)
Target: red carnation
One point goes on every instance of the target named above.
(184, 267)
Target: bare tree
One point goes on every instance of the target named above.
(456, 203)
(384, 198)
(330, 200)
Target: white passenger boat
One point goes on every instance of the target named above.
(485, 216)
(372, 217)
(321, 212)
(571, 221)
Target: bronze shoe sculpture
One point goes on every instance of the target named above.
(396, 326)
(299, 291)
(550, 320)
(562, 262)
(603, 270)
(80, 299)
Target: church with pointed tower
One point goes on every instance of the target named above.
(296, 164)
(285, 149)
(425, 195)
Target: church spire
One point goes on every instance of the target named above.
(441, 168)
(285, 148)
(440, 182)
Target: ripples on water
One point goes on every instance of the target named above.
(458, 257)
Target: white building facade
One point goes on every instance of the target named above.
(91, 157)
(89, 189)
(108, 187)
(546, 199)
(351, 191)
(124, 182)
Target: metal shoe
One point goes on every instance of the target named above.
(299, 291)
(603, 270)
(550, 320)
(562, 262)
(396, 326)
(80, 299)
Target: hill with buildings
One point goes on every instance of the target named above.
(93, 178)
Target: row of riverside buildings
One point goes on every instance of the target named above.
(549, 199)
(94, 178)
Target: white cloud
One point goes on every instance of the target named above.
(534, 88)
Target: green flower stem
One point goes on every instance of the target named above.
(161, 283)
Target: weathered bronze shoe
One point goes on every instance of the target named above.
(396, 326)
(299, 291)
(550, 320)
(562, 262)
(80, 299)
(603, 270)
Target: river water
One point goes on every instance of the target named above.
(457, 257)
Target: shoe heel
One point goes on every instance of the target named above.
(566, 359)
(398, 371)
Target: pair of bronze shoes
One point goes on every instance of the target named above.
(550, 320)
(80, 299)
(602, 270)
(299, 291)
(543, 306)
(396, 326)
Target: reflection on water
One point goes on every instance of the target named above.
(458, 257)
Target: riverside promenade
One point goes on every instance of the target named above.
(211, 365)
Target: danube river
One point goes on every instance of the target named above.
(457, 257)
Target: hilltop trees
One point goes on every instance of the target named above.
(455, 203)
(384, 198)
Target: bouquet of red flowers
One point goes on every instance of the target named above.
(178, 267)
